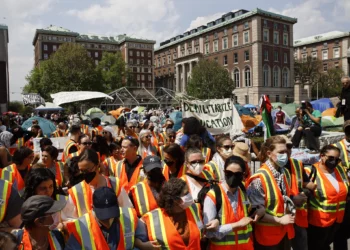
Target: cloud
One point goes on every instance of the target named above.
(21, 18)
(203, 20)
(341, 10)
(137, 17)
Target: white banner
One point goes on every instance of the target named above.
(219, 116)
(32, 99)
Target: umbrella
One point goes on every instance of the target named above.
(329, 112)
(177, 118)
(46, 126)
(116, 113)
(10, 113)
(249, 106)
(94, 113)
(139, 109)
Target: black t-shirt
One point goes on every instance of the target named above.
(14, 205)
(130, 168)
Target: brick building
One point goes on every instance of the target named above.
(4, 69)
(137, 53)
(256, 48)
(332, 48)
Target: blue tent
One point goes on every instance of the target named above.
(242, 110)
(176, 116)
(249, 106)
(322, 104)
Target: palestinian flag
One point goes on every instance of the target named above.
(265, 111)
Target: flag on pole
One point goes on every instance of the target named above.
(265, 110)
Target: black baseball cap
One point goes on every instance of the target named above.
(105, 203)
(40, 205)
(151, 162)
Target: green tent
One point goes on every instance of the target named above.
(331, 121)
(290, 108)
(276, 104)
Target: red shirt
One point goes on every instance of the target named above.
(280, 117)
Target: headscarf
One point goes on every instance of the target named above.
(5, 139)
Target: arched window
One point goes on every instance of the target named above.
(236, 78)
(247, 78)
(276, 74)
(285, 78)
(266, 75)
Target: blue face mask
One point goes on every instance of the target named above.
(282, 159)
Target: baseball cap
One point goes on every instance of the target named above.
(151, 162)
(105, 203)
(38, 206)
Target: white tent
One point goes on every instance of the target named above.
(49, 106)
(75, 96)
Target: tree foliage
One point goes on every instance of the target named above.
(209, 80)
(68, 69)
(17, 106)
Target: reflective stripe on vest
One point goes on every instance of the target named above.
(17, 178)
(20, 142)
(60, 197)
(7, 176)
(5, 188)
(343, 153)
(206, 154)
(59, 170)
(54, 244)
(166, 171)
(65, 154)
(214, 168)
(110, 163)
(228, 215)
(143, 198)
(161, 152)
(26, 244)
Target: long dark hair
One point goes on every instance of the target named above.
(20, 154)
(101, 145)
(52, 151)
(89, 155)
(176, 152)
(35, 177)
(192, 126)
(171, 191)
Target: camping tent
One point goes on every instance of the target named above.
(329, 112)
(290, 108)
(322, 104)
(331, 121)
(49, 106)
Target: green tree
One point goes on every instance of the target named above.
(68, 69)
(17, 106)
(209, 80)
(329, 83)
(309, 69)
(113, 70)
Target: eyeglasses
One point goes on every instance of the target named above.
(172, 137)
(104, 132)
(197, 162)
(87, 143)
(332, 158)
(132, 127)
(148, 136)
(227, 147)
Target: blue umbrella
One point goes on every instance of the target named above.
(46, 126)
(177, 118)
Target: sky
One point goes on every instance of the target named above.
(152, 19)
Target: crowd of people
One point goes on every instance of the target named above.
(147, 186)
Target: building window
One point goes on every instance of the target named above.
(225, 32)
(225, 60)
(285, 77)
(246, 37)
(46, 56)
(89, 54)
(266, 35)
(189, 51)
(149, 54)
(143, 77)
(275, 76)
(225, 43)
(276, 37)
(149, 78)
(138, 70)
(197, 49)
(246, 55)
(45, 46)
(54, 47)
(149, 62)
(285, 39)
(285, 57)
(235, 29)
(96, 54)
(324, 54)
(215, 35)
(96, 62)
(216, 46)
(44, 37)
(141, 61)
(246, 98)
(96, 46)
(138, 85)
(247, 77)
(131, 61)
(246, 25)
(138, 77)
(69, 39)
(325, 67)
(314, 56)
(266, 55)
(336, 65)
(169, 59)
(265, 23)
(336, 53)
(137, 61)
(175, 56)
(182, 53)
(235, 57)
(54, 38)
(130, 53)
(235, 40)
(164, 61)
(207, 48)
(236, 78)
(149, 85)
(142, 54)
(266, 75)
(158, 62)
(137, 53)
(304, 57)
(275, 56)
(277, 98)
(275, 26)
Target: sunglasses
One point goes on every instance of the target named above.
(229, 173)
(104, 132)
(172, 137)
(227, 147)
(169, 163)
(197, 162)
(332, 158)
(289, 146)
(148, 136)
(132, 127)
(87, 143)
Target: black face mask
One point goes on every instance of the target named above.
(76, 179)
(156, 176)
(234, 180)
(331, 164)
(169, 126)
(151, 128)
(88, 177)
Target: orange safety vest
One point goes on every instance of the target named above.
(154, 139)
(84, 129)
(17, 178)
(343, 153)
(163, 137)
(70, 143)
(143, 198)
(96, 131)
(161, 152)
(160, 228)
(81, 194)
(296, 180)
(214, 169)
(27, 245)
(327, 205)
(58, 133)
(5, 188)
(110, 163)
(166, 171)
(7, 176)
(87, 232)
(206, 154)
(59, 169)
(144, 154)
(77, 153)
(120, 172)
(240, 238)
(268, 234)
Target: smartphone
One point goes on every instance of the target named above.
(252, 211)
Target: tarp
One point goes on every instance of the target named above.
(176, 116)
(249, 122)
(75, 96)
(331, 121)
(49, 106)
(322, 104)
(329, 112)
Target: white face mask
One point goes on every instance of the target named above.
(227, 153)
(187, 201)
(196, 168)
(56, 221)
